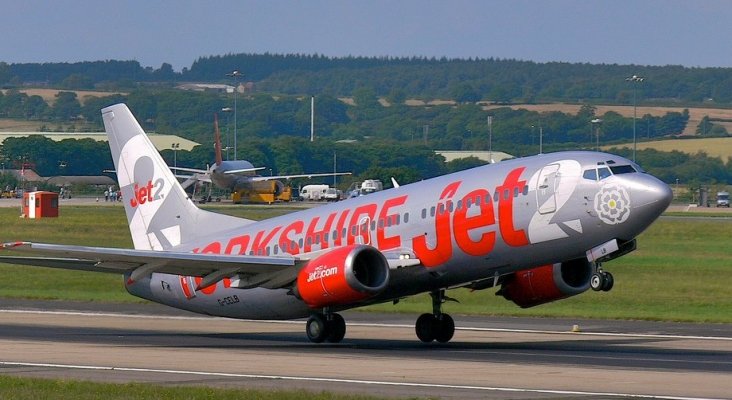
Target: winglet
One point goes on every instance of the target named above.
(10, 245)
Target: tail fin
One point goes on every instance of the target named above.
(160, 213)
(217, 140)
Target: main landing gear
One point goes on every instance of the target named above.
(327, 326)
(601, 280)
(436, 326)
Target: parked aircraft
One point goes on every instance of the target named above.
(537, 227)
(240, 175)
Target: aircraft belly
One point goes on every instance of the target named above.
(218, 300)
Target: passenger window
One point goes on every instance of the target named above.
(526, 190)
(603, 172)
(406, 218)
(424, 213)
(432, 211)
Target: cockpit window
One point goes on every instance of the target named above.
(622, 169)
(590, 174)
(603, 172)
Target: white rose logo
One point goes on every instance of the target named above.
(612, 204)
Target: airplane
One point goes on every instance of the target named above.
(239, 175)
(539, 228)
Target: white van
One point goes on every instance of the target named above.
(313, 192)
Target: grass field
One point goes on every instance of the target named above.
(714, 147)
(678, 273)
(12, 388)
(49, 95)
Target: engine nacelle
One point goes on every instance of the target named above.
(531, 287)
(343, 276)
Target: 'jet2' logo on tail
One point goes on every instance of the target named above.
(145, 193)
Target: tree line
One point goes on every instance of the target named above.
(369, 138)
(489, 79)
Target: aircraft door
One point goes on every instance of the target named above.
(546, 186)
(364, 233)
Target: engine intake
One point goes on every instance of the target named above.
(531, 287)
(343, 276)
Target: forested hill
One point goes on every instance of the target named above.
(416, 77)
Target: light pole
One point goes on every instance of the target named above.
(236, 75)
(541, 140)
(489, 119)
(227, 111)
(596, 122)
(634, 80)
(175, 147)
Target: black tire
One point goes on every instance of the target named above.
(426, 327)
(608, 281)
(317, 328)
(597, 281)
(337, 328)
(445, 328)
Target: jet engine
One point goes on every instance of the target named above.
(343, 276)
(531, 287)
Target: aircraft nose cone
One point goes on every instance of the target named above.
(658, 193)
(653, 197)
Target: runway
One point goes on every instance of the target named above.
(488, 358)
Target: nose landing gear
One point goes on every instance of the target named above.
(601, 280)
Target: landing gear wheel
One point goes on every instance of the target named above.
(317, 328)
(425, 327)
(336, 328)
(445, 328)
(608, 281)
(597, 281)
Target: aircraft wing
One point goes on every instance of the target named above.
(192, 170)
(213, 267)
(242, 170)
(269, 178)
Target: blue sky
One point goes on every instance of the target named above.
(650, 32)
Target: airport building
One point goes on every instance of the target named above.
(486, 156)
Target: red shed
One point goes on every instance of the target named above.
(40, 204)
